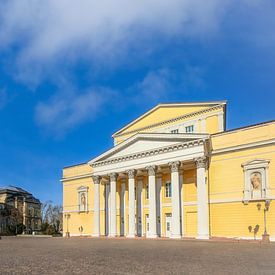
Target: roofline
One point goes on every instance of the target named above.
(244, 127)
(78, 164)
(141, 135)
(198, 103)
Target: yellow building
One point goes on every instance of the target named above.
(176, 172)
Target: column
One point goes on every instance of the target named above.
(220, 122)
(158, 203)
(176, 232)
(113, 179)
(202, 200)
(96, 180)
(139, 206)
(122, 209)
(131, 187)
(107, 208)
(182, 205)
(152, 202)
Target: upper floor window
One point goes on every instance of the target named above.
(189, 129)
(30, 211)
(175, 131)
(168, 190)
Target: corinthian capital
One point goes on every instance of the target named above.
(113, 176)
(151, 170)
(201, 162)
(131, 173)
(174, 166)
(96, 179)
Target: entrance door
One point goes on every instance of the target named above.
(147, 225)
(168, 223)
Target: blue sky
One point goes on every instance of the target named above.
(71, 74)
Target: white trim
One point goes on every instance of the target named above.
(76, 177)
(243, 146)
(182, 138)
(211, 105)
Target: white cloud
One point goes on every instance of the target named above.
(50, 29)
(67, 109)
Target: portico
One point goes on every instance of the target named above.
(142, 161)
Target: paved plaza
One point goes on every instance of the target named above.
(37, 255)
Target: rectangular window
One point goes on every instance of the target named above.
(175, 131)
(189, 129)
(147, 192)
(168, 190)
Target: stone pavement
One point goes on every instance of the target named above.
(19, 255)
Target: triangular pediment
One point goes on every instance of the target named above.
(164, 112)
(144, 142)
(255, 162)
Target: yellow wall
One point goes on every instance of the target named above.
(228, 215)
(147, 123)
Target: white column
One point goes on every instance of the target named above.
(113, 179)
(220, 122)
(202, 200)
(122, 209)
(182, 204)
(131, 188)
(176, 232)
(158, 203)
(152, 202)
(139, 207)
(107, 208)
(96, 180)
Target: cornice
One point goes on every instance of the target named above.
(156, 151)
(243, 147)
(170, 120)
(89, 175)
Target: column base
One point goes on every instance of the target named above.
(131, 236)
(202, 237)
(112, 235)
(175, 236)
(152, 236)
(96, 235)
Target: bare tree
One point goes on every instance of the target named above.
(51, 218)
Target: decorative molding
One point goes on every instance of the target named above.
(89, 175)
(174, 166)
(201, 162)
(113, 176)
(217, 107)
(151, 170)
(156, 151)
(131, 173)
(244, 146)
(96, 179)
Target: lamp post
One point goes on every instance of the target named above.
(67, 216)
(265, 236)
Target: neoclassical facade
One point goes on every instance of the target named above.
(176, 172)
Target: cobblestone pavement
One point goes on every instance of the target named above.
(37, 255)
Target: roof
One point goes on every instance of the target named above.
(202, 103)
(13, 189)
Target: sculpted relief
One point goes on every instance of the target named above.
(83, 200)
(256, 180)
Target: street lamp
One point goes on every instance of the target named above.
(67, 216)
(265, 236)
